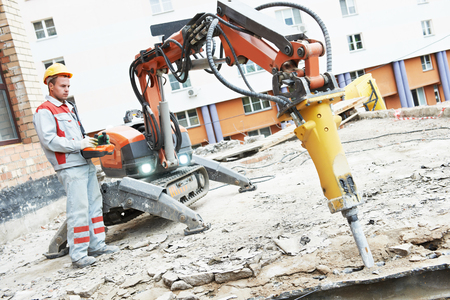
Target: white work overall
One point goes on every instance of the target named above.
(85, 228)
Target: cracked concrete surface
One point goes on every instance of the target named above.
(278, 238)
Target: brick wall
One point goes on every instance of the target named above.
(26, 160)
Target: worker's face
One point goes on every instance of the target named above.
(60, 89)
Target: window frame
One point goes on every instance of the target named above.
(347, 9)
(52, 61)
(11, 113)
(428, 30)
(437, 95)
(244, 67)
(280, 16)
(251, 103)
(188, 118)
(418, 96)
(45, 29)
(161, 7)
(259, 131)
(353, 43)
(181, 86)
(426, 65)
(356, 74)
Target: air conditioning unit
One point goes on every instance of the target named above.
(192, 92)
(302, 28)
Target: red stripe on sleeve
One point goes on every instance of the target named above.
(99, 230)
(81, 240)
(80, 229)
(97, 219)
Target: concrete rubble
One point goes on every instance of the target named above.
(278, 238)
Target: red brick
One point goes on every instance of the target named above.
(19, 149)
(9, 175)
(15, 157)
(28, 147)
(3, 177)
(21, 163)
(33, 153)
(9, 151)
(2, 152)
(5, 159)
(25, 155)
(26, 141)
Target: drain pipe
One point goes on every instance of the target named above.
(447, 70)
(443, 75)
(408, 93)
(341, 81)
(216, 122)
(348, 78)
(208, 125)
(399, 82)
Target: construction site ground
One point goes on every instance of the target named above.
(280, 238)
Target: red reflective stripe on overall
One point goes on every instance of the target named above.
(80, 229)
(97, 219)
(81, 240)
(99, 230)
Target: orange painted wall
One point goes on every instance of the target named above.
(233, 119)
(429, 94)
(198, 134)
(385, 79)
(392, 101)
(419, 78)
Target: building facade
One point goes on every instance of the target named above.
(407, 54)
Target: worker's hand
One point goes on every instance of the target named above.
(88, 142)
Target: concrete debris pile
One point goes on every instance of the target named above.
(217, 147)
(278, 238)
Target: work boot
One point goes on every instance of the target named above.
(107, 249)
(84, 262)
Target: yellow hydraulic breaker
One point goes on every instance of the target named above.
(319, 135)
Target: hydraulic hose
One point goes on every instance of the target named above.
(283, 101)
(315, 17)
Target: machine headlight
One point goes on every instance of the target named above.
(184, 159)
(146, 168)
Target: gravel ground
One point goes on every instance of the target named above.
(276, 239)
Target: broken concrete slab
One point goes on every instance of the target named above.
(233, 275)
(185, 295)
(403, 250)
(198, 279)
(180, 285)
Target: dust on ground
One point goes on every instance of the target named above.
(279, 238)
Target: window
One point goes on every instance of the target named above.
(426, 28)
(188, 118)
(50, 62)
(176, 85)
(44, 29)
(160, 6)
(289, 16)
(357, 74)
(347, 7)
(8, 129)
(426, 63)
(436, 93)
(250, 67)
(262, 131)
(419, 97)
(355, 42)
(254, 104)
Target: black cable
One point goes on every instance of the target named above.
(315, 17)
(283, 101)
(176, 129)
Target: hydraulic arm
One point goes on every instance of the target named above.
(302, 94)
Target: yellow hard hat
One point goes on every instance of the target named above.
(56, 69)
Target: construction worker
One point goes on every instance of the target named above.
(60, 134)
